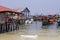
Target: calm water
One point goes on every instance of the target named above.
(33, 31)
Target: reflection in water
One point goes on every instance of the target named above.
(33, 31)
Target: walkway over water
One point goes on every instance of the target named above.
(33, 31)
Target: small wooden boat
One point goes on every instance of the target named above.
(45, 23)
(51, 20)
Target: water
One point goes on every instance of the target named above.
(33, 31)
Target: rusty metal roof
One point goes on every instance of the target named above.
(2, 8)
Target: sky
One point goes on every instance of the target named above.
(35, 6)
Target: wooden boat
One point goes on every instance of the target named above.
(45, 22)
(48, 21)
(51, 20)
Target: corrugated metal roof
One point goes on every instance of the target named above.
(2, 8)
